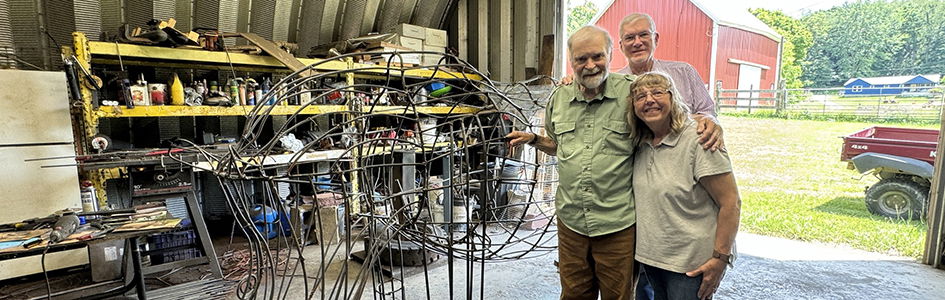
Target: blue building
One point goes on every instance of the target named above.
(916, 85)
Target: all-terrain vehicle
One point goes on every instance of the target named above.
(902, 158)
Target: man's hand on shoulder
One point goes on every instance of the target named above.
(710, 132)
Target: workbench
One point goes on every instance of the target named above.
(131, 238)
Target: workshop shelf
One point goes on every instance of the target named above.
(191, 58)
(278, 110)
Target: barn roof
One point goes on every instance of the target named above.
(722, 14)
(894, 79)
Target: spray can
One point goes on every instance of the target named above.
(234, 91)
(140, 94)
(241, 87)
(177, 91)
(252, 90)
(200, 88)
(214, 87)
(266, 84)
(89, 200)
(158, 93)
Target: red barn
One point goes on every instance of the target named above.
(723, 44)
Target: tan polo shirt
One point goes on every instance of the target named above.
(595, 157)
(676, 217)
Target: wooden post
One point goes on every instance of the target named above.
(932, 255)
(718, 96)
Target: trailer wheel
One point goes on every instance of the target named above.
(898, 198)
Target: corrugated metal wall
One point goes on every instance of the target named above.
(7, 51)
(685, 31)
(502, 38)
(747, 46)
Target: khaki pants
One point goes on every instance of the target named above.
(603, 264)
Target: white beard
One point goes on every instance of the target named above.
(592, 82)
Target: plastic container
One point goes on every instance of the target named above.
(158, 93)
(264, 218)
(177, 91)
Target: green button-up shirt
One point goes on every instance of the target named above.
(595, 157)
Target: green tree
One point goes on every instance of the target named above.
(875, 38)
(580, 15)
(797, 39)
(858, 39)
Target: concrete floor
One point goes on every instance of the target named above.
(768, 268)
(775, 268)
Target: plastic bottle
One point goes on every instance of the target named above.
(140, 94)
(177, 91)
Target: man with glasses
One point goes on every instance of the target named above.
(638, 41)
(588, 130)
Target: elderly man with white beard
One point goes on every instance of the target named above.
(588, 131)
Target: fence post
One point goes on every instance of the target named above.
(941, 103)
(750, 97)
(718, 95)
(781, 98)
(879, 102)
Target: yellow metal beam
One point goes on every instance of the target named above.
(430, 110)
(209, 111)
(138, 52)
(196, 111)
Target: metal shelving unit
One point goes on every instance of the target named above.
(86, 117)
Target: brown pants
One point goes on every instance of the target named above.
(589, 265)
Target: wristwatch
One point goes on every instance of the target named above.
(727, 258)
(534, 139)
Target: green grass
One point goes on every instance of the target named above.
(887, 120)
(793, 185)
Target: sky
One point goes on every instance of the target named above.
(794, 8)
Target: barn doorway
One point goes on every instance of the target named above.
(749, 78)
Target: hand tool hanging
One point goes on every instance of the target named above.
(71, 67)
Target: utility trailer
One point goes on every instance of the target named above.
(902, 159)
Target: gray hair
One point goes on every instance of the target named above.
(591, 29)
(679, 111)
(636, 16)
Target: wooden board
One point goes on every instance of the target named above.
(157, 224)
(272, 49)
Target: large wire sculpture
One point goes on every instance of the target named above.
(407, 188)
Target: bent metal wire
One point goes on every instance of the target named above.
(392, 201)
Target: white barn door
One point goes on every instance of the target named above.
(749, 78)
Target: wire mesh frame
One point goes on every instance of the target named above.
(381, 211)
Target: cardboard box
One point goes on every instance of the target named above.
(413, 58)
(410, 43)
(435, 37)
(410, 30)
(432, 59)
